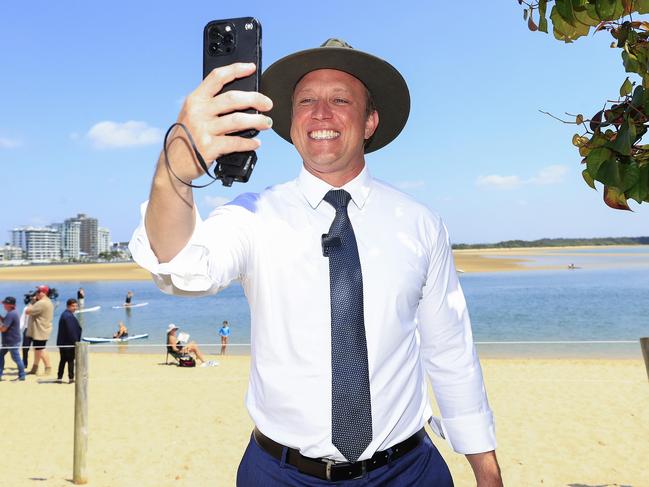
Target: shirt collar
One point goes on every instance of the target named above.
(314, 189)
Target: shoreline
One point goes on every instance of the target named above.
(466, 260)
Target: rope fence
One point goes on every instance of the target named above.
(162, 345)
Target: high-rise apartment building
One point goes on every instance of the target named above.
(38, 243)
(71, 239)
(88, 234)
(103, 240)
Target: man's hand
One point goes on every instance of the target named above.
(209, 118)
(485, 468)
(210, 115)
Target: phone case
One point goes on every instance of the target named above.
(246, 48)
(225, 42)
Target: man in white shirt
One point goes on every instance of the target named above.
(352, 288)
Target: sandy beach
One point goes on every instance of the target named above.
(483, 260)
(559, 422)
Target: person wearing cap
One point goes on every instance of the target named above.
(353, 292)
(69, 333)
(39, 329)
(11, 337)
(173, 345)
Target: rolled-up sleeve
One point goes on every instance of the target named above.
(449, 356)
(216, 254)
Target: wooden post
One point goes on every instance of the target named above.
(79, 475)
(644, 345)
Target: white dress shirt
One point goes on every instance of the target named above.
(416, 319)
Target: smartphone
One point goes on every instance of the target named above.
(225, 42)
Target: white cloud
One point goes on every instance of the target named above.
(214, 201)
(6, 143)
(550, 175)
(499, 182)
(128, 134)
(410, 184)
(547, 175)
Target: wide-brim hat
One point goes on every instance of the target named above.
(171, 328)
(386, 85)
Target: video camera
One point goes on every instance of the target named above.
(29, 297)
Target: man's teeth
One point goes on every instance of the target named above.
(324, 134)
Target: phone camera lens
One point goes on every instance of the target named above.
(214, 48)
(215, 34)
(228, 38)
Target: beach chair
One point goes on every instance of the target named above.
(179, 359)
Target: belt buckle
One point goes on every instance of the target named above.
(329, 463)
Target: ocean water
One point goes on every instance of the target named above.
(605, 300)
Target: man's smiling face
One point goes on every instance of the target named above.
(330, 124)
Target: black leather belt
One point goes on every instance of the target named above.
(329, 470)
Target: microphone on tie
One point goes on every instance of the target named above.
(329, 242)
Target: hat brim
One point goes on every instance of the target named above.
(388, 88)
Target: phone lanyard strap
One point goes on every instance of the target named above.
(198, 155)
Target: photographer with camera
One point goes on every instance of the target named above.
(39, 329)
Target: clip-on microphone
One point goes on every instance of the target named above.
(329, 243)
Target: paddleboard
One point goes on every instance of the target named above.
(138, 305)
(114, 340)
(88, 310)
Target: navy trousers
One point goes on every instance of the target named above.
(422, 466)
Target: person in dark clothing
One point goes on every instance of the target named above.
(69, 334)
(10, 329)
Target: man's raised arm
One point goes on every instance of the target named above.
(209, 117)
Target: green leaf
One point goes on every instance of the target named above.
(564, 8)
(589, 181)
(630, 176)
(583, 17)
(543, 4)
(606, 9)
(609, 173)
(622, 142)
(626, 87)
(595, 159)
(543, 25)
(638, 96)
(631, 64)
(640, 191)
(642, 6)
(561, 29)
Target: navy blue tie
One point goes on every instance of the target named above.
(351, 409)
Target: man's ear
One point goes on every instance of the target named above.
(371, 123)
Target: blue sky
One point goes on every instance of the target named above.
(475, 148)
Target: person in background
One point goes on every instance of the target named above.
(11, 339)
(69, 334)
(40, 327)
(224, 332)
(128, 299)
(122, 331)
(81, 296)
(173, 345)
(24, 327)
